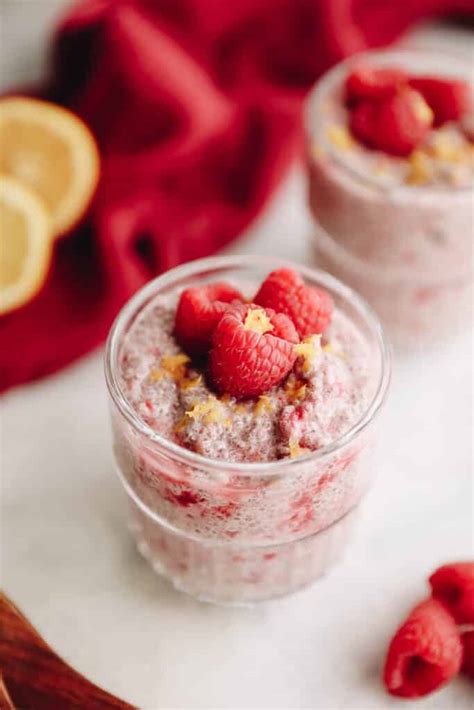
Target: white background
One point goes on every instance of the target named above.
(69, 563)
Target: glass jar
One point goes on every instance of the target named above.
(407, 248)
(242, 532)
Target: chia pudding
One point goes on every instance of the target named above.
(397, 228)
(239, 499)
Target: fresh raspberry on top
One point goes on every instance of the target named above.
(400, 123)
(252, 351)
(365, 82)
(199, 310)
(309, 308)
(425, 653)
(362, 122)
(449, 99)
(453, 585)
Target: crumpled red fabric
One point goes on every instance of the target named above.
(195, 105)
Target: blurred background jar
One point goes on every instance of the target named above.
(397, 229)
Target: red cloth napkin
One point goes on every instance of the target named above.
(195, 105)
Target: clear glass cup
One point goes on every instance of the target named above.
(406, 248)
(242, 532)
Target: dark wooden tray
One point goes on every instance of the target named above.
(34, 677)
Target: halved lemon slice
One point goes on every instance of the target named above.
(51, 151)
(25, 244)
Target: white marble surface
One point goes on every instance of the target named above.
(68, 562)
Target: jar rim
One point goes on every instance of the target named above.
(312, 121)
(186, 456)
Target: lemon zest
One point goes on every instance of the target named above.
(420, 170)
(340, 137)
(264, 404)
(175, 365)
(189, 384)
(296, 450)
(308, 349)
(210, 411)
(421, 109)
(295, 389)
(258, 321)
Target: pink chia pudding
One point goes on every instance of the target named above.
(239, 499)
(396, 228)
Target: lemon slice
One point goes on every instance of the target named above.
(25, 244)
(51, 151)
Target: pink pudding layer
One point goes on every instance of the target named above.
(220, 531)
(398, 229)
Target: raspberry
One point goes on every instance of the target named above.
(310, 309)
(199, 311)
(373, 84)
(362, 122)
(453, 585)
(401, 123)
(449, 99)
(252, 351)
(425, 652)
(467, 640)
